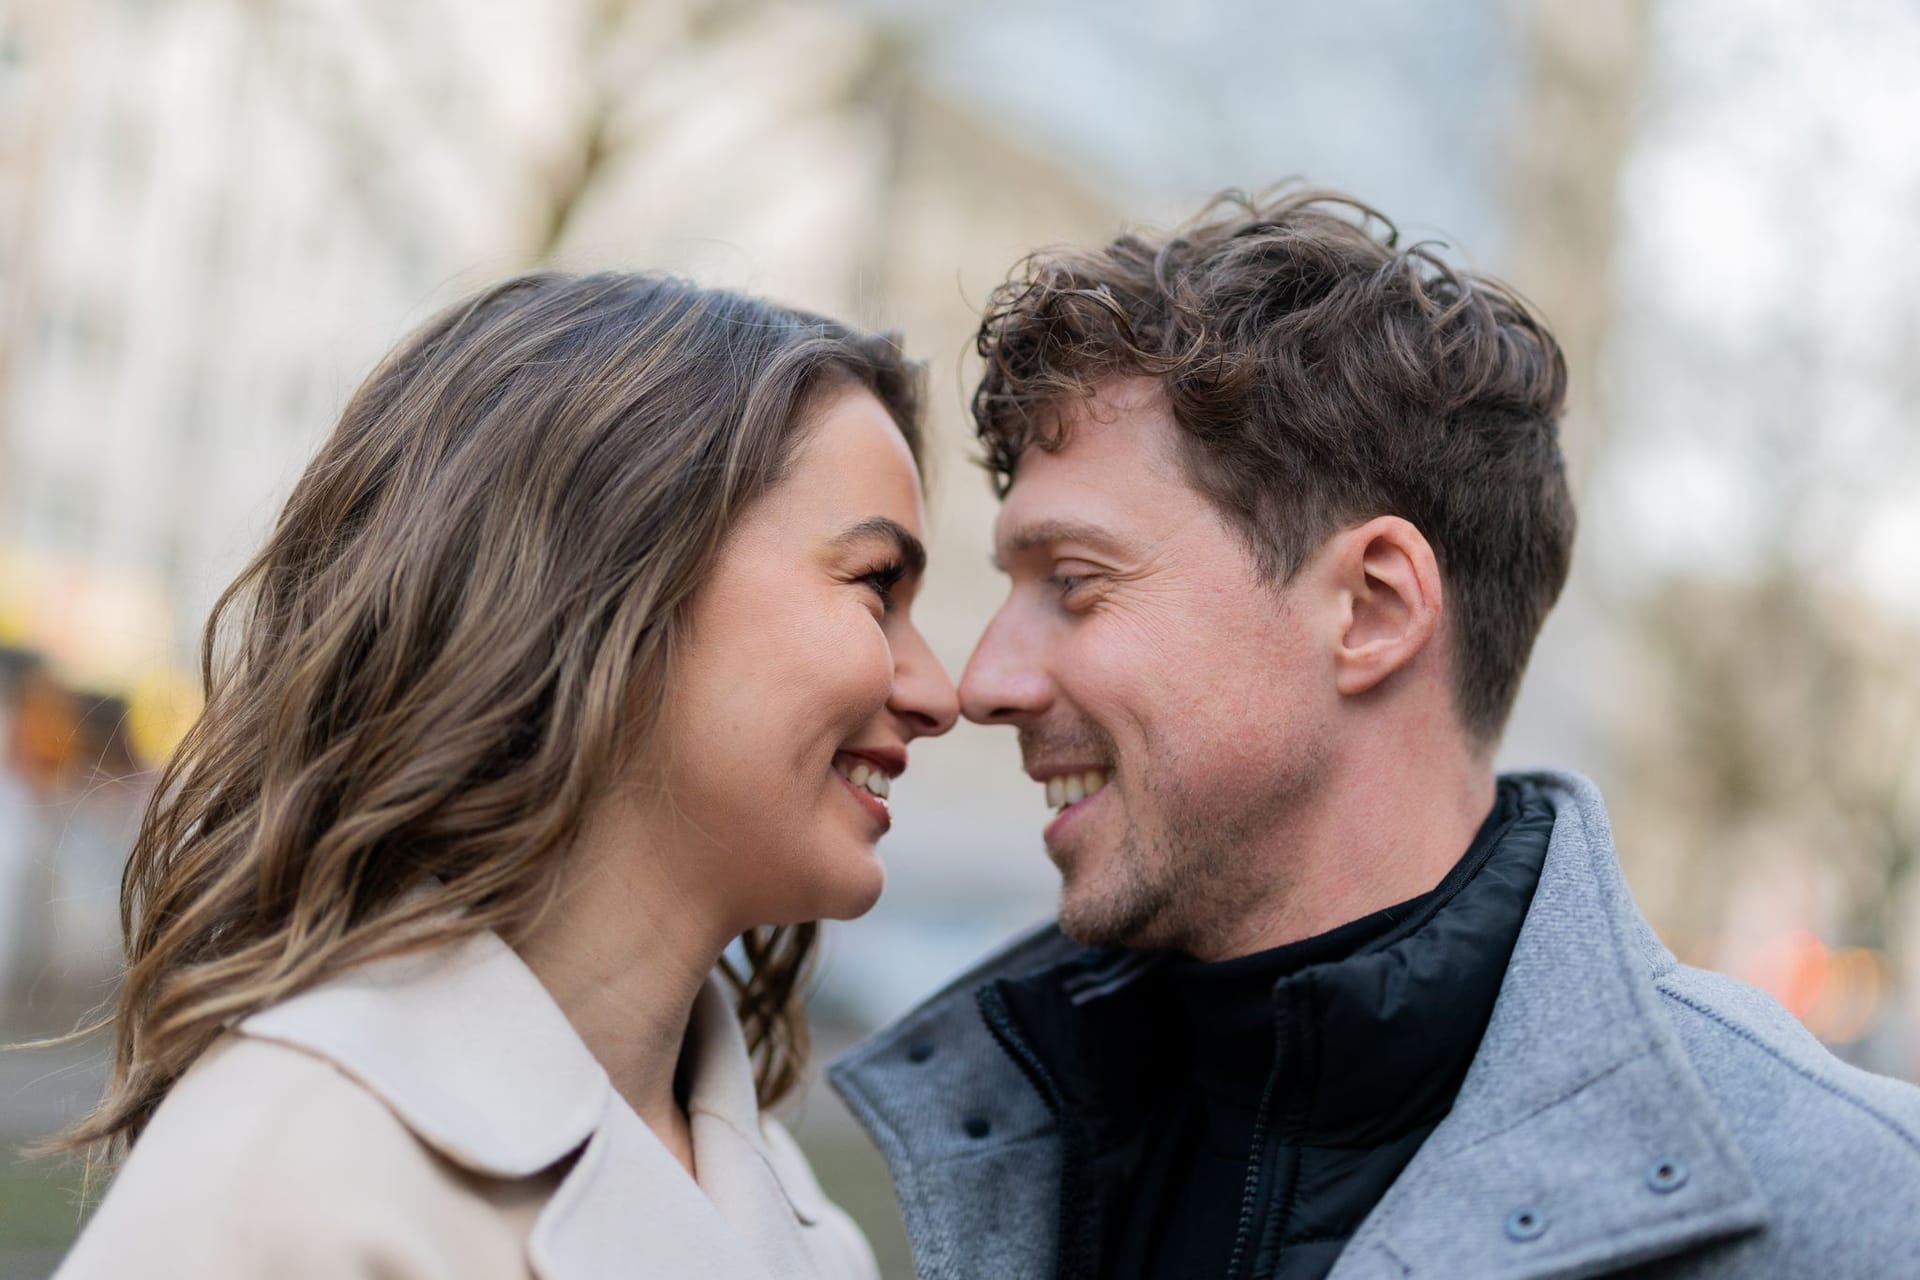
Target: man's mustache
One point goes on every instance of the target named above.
(1081, 743)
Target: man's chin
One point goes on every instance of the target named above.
(1133, 921)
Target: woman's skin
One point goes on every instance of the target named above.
(800, 661)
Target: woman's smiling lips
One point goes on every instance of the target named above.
(867, 773)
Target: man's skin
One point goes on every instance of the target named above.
(1281, 759)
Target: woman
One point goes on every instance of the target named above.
(581, 651)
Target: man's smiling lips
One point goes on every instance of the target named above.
(1069, 784)
(1070, 787)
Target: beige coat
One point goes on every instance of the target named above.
(419, 1119)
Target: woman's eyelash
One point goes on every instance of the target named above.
(883, 578)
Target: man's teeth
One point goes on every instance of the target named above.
(866, 777)
(1072, 788)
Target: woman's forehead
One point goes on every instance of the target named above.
(854, 462)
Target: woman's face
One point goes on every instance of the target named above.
(802, 680)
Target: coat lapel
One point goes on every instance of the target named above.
(735, 1162)
(628, 1208)
(464, 1045)
(1582, 1139)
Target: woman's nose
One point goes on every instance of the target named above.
(923, 697)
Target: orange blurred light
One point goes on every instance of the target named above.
(1792, 969)
(1853, 997)
(1839, 994)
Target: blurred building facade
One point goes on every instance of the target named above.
(215, 215)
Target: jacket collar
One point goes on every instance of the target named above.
(1580, 1139)
(1354, 1037)
(465, 1046)
(1582, 1135)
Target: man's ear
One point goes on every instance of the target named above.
(1390, 581)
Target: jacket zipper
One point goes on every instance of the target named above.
(1072, 1253)
(1251, 1191)
(1256, 1158)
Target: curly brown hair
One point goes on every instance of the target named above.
(1320, 374)
(454, 640)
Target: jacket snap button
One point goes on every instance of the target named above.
(1666, 1175)
(977, 1126)
(1525, 1224)
(919, 1051)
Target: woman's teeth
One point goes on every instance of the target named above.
(866, 777)
(1072, 788)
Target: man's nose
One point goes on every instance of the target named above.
(1004, 682)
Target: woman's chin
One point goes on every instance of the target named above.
(854, 894)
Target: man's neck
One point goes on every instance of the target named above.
(1386, 826)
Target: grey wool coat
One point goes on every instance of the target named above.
(1624, 1115)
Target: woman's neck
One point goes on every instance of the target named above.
(624, 952)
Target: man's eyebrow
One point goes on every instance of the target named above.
(1047, 533)
(913, 552)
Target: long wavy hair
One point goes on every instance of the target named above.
(455, 639)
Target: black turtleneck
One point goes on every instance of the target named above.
(1239, 1119)
(1184, 1202)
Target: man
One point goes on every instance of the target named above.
(1283, 510)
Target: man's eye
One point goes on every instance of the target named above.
(1064, 583)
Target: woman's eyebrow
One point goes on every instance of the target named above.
(913, 552)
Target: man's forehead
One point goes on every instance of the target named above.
(1116, 469)
(1080, 501)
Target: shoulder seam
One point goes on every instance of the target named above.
(1899, 1130)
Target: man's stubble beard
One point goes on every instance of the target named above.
(1190, 881)
(1133, 894)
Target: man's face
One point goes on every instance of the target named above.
(1139, 643)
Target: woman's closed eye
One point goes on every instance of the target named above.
(882, 579)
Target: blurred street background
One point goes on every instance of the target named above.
(216, 214)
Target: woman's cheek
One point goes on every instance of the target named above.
(876, 671)
(841, 677)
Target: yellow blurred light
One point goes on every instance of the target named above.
(98, 626)
(161, 707)
(16, 599)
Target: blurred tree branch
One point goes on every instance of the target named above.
(620, 41)
(1585, 66)
(1779, 705)
(1776, 722)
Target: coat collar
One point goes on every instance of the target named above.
(469, 1051)
(1582, 1136)
(1350, 1039)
